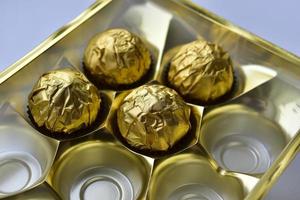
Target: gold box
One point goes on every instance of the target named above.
(271, 88)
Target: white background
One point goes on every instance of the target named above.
(26, 23)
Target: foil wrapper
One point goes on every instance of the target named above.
(153, 117)
(116, 57)
(201, 71)
(64, 101)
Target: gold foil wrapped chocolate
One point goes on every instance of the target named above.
(116, 57)
(201, 71)
(64, 101)
(153, 117)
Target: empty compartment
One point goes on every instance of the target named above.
(189, 176)
(242, 140)
(25, 155)
(98, 168)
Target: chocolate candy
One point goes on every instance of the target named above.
(64, 101)
(116, 57)
(201, 71)
(153, 117)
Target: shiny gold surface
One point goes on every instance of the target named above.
(193, 169)
(201, 70)
(153, 117)
(97, 152)
(64, 101)
(41, 192)
(259, 60)
(244, 132)
(116, 57)
(246, 78)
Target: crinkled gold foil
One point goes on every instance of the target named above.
(202, 71)
(153, 117)
(117, 57)
(64, 101)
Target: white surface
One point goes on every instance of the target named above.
(276, 21)
(24, 24)
(288, 186)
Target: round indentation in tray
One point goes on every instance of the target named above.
(103, 186)
(194, 192)
(108, 183)
(191, 176)
(18, 170)
(242, 140)
(242, 153)
(112, 173)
